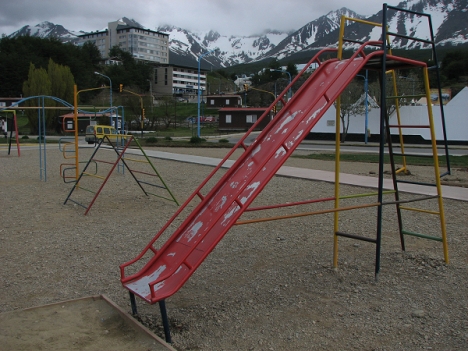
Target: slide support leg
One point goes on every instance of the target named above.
(165, 320)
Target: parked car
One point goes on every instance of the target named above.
(203, 119)
(96, 132)
(210, 119)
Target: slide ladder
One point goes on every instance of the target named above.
(388, 69)
(401, 205)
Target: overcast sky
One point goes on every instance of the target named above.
(228, 17)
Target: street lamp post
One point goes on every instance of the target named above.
(110, 92)
(198, 88)
(275, 85)
(289, 74)
(366, 103)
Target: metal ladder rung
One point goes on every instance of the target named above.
(410, 38)
(93, 175)
(102, 161)
(419, 210)
(424, 236)
(408, 126)
(406, 96)
(76, 202)
(151, 184)
(412, 200)
(134, 160)
(141, 172)
(416, 183)
(357, 237)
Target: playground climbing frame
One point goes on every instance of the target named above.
(147, 179)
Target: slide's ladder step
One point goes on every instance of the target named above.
(357, 237)
(420, 235)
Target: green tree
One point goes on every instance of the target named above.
(16, 54)
(292, 69)
(58, 82)
(130, 72)
(62, 81)
(38, 83)
(167, 105)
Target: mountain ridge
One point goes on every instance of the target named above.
(449, 20)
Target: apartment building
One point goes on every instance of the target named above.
(178, 80)
(143, 44)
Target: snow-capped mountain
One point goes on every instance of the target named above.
(449, 22)
(310, 33)
(46, 30)
(232, 50)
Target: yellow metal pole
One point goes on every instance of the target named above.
(340, 39)
(436, 165)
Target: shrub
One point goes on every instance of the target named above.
(223, 141)
(196, 140)
(168, 138)
(151, 140)
(24, 137)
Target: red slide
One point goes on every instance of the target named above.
(170, 266)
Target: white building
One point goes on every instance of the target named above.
(177, 80)
(455, 112)
(143, 44)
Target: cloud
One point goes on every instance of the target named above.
(225, 16)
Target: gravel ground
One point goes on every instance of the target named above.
(268, 286)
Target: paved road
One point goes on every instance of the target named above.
(357, 147)
(329, 146)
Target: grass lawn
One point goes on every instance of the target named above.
(455, 161)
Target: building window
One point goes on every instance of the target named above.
(251, 118)
(228, 119)
(212, 102)
(227, 101)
